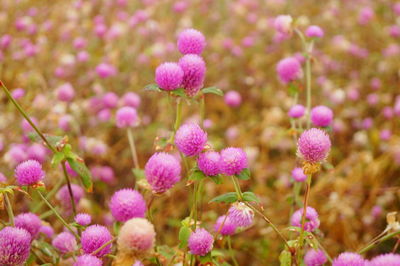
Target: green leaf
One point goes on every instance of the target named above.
(311, 240)
(217, 179)
(206, 258)
(184, 234)
(196, 175)
(244, 175)
(83, 172)
(229, 197)
(213, 90)
(53, 140)
(57, 158)
(152, 87)
(179, 92)
(285, 258)
(293, 89)
(250, 196)
(139, 173)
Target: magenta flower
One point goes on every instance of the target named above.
(190, 139)
(83, 219)
(321, 116)
(65, 92)
(298, 175)
(315, 258)
(194, 70)
(94, 237)
(385, 260)
(228, 227)
(105, 70)
(88, 260)
(283, 24)
(29, 173)
(126, 117)
(240, 215)
(297, 111)
(15, 244)
(200, 242)
(64, 242)
(64, 197)
(348, 258)
(47, 230)
(314, 145)
(314, 31)
(288, 69)
(233, 161)
(191, 41)
(311, 220)
(209, 163)
(131, 99)
(30, 222)
(233, 98)
(137, 234)
(169, 76)
(126, 204)
(162, 171)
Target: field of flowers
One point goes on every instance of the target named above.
(199, 132)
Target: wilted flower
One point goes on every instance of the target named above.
(240, 215)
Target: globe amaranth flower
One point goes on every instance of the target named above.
(348, 258)
(225, 226)
(15, 244)
(131, 99)
(94, 237)
(29, 173)
(283, 23)
(233, 98)
(65, 92)
(315, 258)
(126, 204)
(126, 117)
(83, 219)
(200, 242)
(30, 222)
(314, 31)
(162, 171)
(233, 161)
(314, 145)
(311, 220)
(105, 70)
(169, 76)
(240, 215)
(298, 174)
(64, 197)
(388, 259)
(191, 41)
(190, 139)
(296, 111)
(65, 242)
(88, 260)
(137, 234)
(209, 163)
(321, 116)
(288, 69)
(194, 70)
(47, 230)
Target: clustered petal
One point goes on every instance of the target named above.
(15, 244)
(311, 220)
(233, 161)
(94, 237)
(169, 76)
(240, 215)
(126, 204)
(314, 145)
(65, 242)
(190, 139)
(30, 222)
(200, 242)
(349, 259)
(191, 41)
(29, 173)
(137, 234)
(209, 163)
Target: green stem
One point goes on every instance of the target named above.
(178, 118)
(378, 241)
(49, 195)
(19, 108)
(9, 209)
(71, 193)
(202, 110)
(231, 252)
(103, 246)
(237, 188)
(58, 215)
(303, 217)
(308, 83)
(133, 148)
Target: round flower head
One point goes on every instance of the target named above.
(208, 162)
(240, 215)
(200, 242)
(88, 260)
(105, 70)
(233, 98)
(321, 116)
(297, 111)
(162, 171)
(126, 117)
(15, 244)
(315, 258)
(288, 69)
(64, 242)
(126, 204)
(137, 234)
(18, 93)
(64, 197)
(190, 139)
(110, 100)
(389, 259)
(29, 173)
(30, 222)
(233, 161)
(83, 219)
(169, 76)
(94, 237)
(349, 259)
(298, 174)
(314, 145)
(228, 227)
(191, 41)
(131, 99)
(65, 92)
(283, 23)
(311, 219)
(314, 32)
(194, 69)
(47, 230)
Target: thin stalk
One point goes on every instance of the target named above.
(9, 209)
(222, 225)
(71, 193)
(178, 118)
(308, 82)
(19, 108)
(237, 188)
(103, 246)
(303, 217)
(231, 252)
(202, 109)
(382, 239)
(324, 250)
(49, 195)
(133, 148)
(58, 215)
